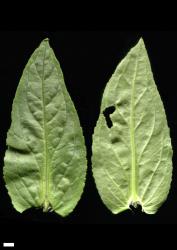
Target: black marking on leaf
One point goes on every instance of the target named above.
(115, 140)
(107, 113)
(18, 150)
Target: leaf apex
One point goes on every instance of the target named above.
(45, 41)
(141, 41)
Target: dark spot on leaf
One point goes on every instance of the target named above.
(18, 150)
(107, 113)
(114, 140)
(122, 103)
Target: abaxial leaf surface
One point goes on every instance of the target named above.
(132, 153)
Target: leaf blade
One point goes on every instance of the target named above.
(50, 152)
(139, 120)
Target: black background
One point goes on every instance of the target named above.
(88, 59)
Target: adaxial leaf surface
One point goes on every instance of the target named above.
(132, 153)
(45, 163)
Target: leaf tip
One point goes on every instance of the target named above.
(141, 45)
(45, 41)
(141, 42)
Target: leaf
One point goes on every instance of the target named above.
(45, 163)
(132, 154)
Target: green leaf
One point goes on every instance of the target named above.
(132, 154)
(45, 163)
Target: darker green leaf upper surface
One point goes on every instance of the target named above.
(45, 163)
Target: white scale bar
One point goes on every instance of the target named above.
(8, 244)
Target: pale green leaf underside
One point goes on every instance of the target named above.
(132, 160)
(45, 163)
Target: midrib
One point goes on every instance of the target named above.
(133, 183)
(45, 172)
